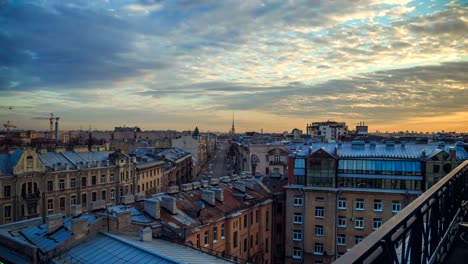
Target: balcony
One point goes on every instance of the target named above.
(31, 197)
(424, 231)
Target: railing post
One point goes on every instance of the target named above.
(416, 235)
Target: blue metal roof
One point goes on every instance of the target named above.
(4, 164)
(38, 236)
(105, 248)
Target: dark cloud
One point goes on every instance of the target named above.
(66, 47)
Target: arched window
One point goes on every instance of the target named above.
(253, 158)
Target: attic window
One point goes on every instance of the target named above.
(29, 161)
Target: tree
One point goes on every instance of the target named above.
(196, 133)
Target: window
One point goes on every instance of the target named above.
(436, 168)
(83, 181)
(198, 240)
(256, 238)
(319, 212)
(83, 199)
(297, 253)
(73, 200)
(245, 244)
(62, 203)
(222, 231)
(207, 237)
(235, 239)
(61, 184)
(7, 212)
(251, 241)
(112, 177)
(215, 234)
(396, 207)
(245, 220)
(342, 203)
(93, 180)
(103, 178)
(112, 194)
(318, 249)
(357, 239)
(360, 204)
(298, 201)
(256, 216)
(251, 218)
(72, 183)
(359, 223)
(267, 220)
(267, 246)
(319, 230)
(447, 167)
(341, 221)
(297, 218)
(103, 195)
(341, 240)
(297, 235)
(378, 205)
(377, 223)
(50, 186)
(93, 196)
(277, 158)
(50, 205)
(6, 191)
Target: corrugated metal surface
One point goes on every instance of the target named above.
(105, 249)
(37, 235)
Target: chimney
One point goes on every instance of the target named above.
(98, 164)
(76, 210)
(173, 189)
(67, 166)
(88, 164)
(56, 167)
(169, 203)
(204, 183)
(208, 196)
(219, 194)
(196, 185)
(239, 185)
(97, 205)
(54, 222)
(139, 197)
(225, 179)
(79, 227)
(108, 163)
(78, 166)
(214, 181)
(335, 151)
(146, 234)
(453, 152)
(127, 199)
(152, 208)
(310, 151)
(186, 187)
(124, 219)
(424, 153)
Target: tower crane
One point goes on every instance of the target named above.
(51, 119)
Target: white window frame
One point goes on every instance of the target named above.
(318, 231)
(61, 184)
(360, 205)
(318, 249)
(343, 218)
(396, 204)
(112, 194)
(341, 240)
(297, 218)
(206, 238)
(377, 223)
(359, 223)
(297, 253)
(319, 212)
(297, 235)
(298, 201)
(378, 206)
(357, 239)
(50, 205)
(342, 203)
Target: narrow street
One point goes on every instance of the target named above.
(217, 165)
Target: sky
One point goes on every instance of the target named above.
(276, 65)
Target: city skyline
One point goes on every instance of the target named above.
(397, 65)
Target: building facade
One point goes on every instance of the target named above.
(329, 130)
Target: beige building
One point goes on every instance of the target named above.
(269, 160)
(150, 177)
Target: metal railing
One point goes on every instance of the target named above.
(423, 231)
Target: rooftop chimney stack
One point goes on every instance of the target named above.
(54, 222)
(169, 203)
(152, 207)
(208, 196)
(219, 194)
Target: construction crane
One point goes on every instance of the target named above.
(51, 119)
(7, 126)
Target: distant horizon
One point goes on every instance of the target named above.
(395, 64)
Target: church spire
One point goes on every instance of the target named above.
(233, 129)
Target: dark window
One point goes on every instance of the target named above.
(103, 195)
(50, 186)
(251, 218)
(83, 199)
(251, 241)
(207, 237)
(93, 180)
(245, 220)
(83, 181)
(256, 216)
(93, 196)
(267, 220)
(436, 168)
(62, 203)
(256, 238)
(198, 240)
(447, 168)
(7, 212)
(267, 246)
(6, 191)
(215, 233)
(235, 239)
(72, 183)
(222, 230)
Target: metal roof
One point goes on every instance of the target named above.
(37, 235)
(106, 248)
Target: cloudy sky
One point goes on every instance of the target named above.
(394, 64)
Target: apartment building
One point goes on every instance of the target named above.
(330, 131)
(266, 159)
(340, 193)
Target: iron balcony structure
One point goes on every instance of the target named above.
(424, 231)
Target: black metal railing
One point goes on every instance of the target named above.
(423, 231)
